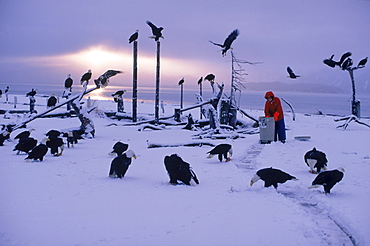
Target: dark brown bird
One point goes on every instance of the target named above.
(86, 77)
(133, 37)
(181, 81)
(362, 63)
(156, 31)
(228, 41)
(328, 179)
(210, 77)
(292, 75)
(271, 176)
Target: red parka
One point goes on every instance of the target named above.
(274, 108)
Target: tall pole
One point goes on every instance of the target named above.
(134, 85)
(157, 83)
(201, 94)
(232, 92)
(182, 95)
(354, 103)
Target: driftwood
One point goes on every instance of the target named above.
(152, 127)
(348, 120)
(193, 144)
(290, 106)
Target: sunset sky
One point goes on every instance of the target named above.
(42, 41)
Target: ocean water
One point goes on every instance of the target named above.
(310, 103)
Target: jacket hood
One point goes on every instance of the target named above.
(269, 94)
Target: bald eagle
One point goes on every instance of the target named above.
(362, 63)
(328, 179)
(343, 57)
(25, 145)
(54, 143)
(86, 77)
(119, 148)
(315, 159)
(120, 164)
(292, 75)
(228, 41)
(24, 134)
(156, 31)
(179, 170)
(222, 150)
(68, 82)
(330, 62)
(38, 152)
(347, 64)
(210, 77)
(133, 37)
(271, 176)
(31, 93)
(103, 79)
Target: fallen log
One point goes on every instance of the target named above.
(193, 144)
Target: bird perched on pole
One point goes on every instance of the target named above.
(157, 31)
(86, 77)
(68, 82)
(292, 75)
(103, 79)
(181, 81)
(133, 37)
(228, 41)
(200, 81)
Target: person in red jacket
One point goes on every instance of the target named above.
(274, 109)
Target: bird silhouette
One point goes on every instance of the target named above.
(210, 77)
(362, 63)
(181, 81)
(133, 37)
(343, 57)
(68, 82)
(347, 64)
(157, 31)
(330, 62)
(292, 75)
(200, 80)
(228, 41)
(103, 79)
(86, 77)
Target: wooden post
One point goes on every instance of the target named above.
(134, 84)
(355, 105)
(201, 94)
(157, 83)
(182, 95)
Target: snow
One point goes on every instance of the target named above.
(70, 200)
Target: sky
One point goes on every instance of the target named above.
(41, 41)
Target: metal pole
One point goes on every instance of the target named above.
(134, 85)
(157, 83)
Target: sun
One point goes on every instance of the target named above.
(100, 58)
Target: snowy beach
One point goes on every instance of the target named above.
(70, 200)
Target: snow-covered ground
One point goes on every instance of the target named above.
(70, 200)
